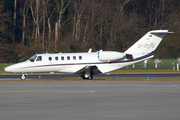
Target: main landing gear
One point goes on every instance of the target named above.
(87, 77)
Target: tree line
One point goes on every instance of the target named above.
(37, 26)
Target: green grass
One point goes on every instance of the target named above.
(2, 66)
(166, 68)
(145, 71)
(166, 63)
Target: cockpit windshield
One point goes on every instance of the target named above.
(32, 58)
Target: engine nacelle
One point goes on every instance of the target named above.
(110, 55)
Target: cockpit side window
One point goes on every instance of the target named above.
(33, 58)
(39, 58)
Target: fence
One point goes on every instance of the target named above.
(156, 63)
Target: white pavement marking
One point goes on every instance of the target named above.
(44, 91)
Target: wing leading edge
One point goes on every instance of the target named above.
(88, 69)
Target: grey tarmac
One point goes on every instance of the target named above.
(61, 76)
(90, 100)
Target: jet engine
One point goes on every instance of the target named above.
(110, 55)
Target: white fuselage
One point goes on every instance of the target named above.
(70, 63)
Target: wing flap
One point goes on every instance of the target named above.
(93, 70)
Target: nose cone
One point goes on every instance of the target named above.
(8, 69)
(12, 68)
(16, 68)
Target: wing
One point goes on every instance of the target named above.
(90, 69)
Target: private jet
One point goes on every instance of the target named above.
(86, 64)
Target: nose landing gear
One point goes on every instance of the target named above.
(23, 77)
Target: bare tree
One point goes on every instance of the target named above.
(49, 15)
(85, 31)
(61, 9)
(56, 35)
(79, 7)
(44, 20)
(35, 17)
(118, 14)
(25, 11)
(14, 23)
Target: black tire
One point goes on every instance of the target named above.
(90, 77)
(83, 77)
(23, 77)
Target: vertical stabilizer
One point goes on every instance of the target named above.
(148, 43)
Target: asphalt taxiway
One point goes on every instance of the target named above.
(60, 76)
(90, 100)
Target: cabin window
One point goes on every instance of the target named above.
(62, 58)
(74, 57)
(39, 58)
(56, 58)
(50, 58)
(68, 58)
(80, 57)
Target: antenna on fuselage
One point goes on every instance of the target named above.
(90, 50)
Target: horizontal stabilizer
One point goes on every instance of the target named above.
(160, 32)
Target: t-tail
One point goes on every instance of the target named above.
(147, 44)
